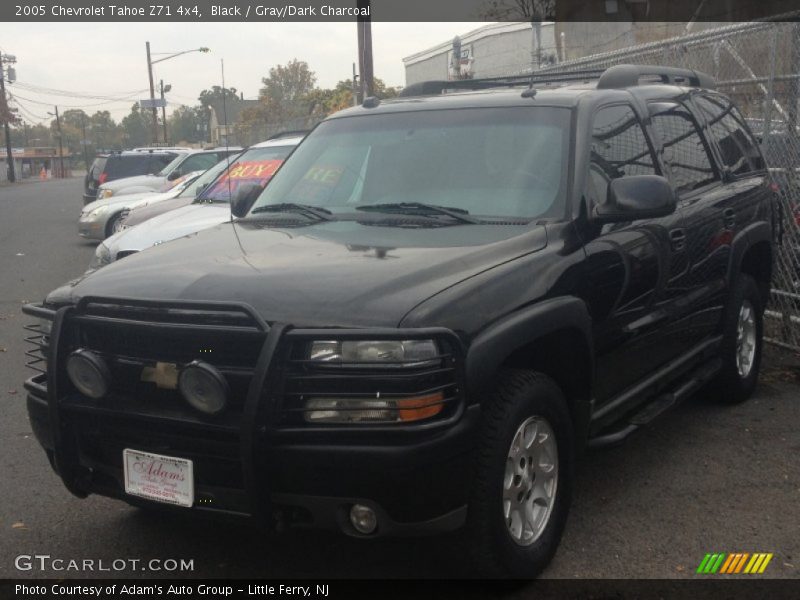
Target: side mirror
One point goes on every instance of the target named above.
(174, 175)
(636, 197)
(199, 190)
(243, 198)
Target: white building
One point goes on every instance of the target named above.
(493, 50)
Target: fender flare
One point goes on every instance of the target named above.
(498, 341)
(760, 231)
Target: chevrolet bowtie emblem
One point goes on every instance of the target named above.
(164, 375)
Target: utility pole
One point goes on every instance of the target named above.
(355, 86)
(60, 146)
(364, 25)
(12, 177)
(83, 130)
(164, 109)
(152, 94)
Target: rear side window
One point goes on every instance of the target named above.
(159, 161)
(127, 165)
(97, 167)
(199, 162)
(738, 150)
(685, 151)
(619, 148)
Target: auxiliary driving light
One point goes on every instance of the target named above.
(88, 373)
(363, 518)
(203, 387)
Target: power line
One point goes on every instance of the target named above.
(66, 93)
(72, 105)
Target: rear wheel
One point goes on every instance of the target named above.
(524, 472)
(743, 332)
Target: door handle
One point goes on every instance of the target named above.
(677, 238)
(729, 216)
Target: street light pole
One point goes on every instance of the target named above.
(152, 94)
(150, 64)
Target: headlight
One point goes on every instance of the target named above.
(203, 387)
(373, 410)
(102, 257)
(386, 353)
(88, 373)
(104, 193)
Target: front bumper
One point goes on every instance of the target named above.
(416, 479)
(94, 229)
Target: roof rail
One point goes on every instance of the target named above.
(290, 133)
(622, 76)
(430, 88)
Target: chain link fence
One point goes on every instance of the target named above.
(758, 66)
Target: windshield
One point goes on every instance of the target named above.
(206, 178)
(171, 165)
(256, 165)
(495, 162)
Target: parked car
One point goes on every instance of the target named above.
(196, 160)
(436, 303)
(101, 218)
(144, 211)
(110, 167)
(253, 167)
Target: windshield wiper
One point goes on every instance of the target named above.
(323, 214)
(420, 208)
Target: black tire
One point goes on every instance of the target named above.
(518, 395)
(111, 223)
(730, 387)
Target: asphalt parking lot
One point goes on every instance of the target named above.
(703, 478)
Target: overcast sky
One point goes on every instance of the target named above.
(108, 59)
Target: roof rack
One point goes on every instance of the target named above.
(622, 76)
(619, 76)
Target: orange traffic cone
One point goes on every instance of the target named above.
(43, 174)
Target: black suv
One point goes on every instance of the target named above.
(433, 307)
(108, 167)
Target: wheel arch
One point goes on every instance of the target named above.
(753, 254)
(553, 337)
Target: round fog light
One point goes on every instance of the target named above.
(88, 373)
(363, 518)
(203, 387)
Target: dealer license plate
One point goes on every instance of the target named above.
(161, 478)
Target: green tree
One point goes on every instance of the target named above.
(210, 97)
(286, 89)
(136, 128)
(187, 124)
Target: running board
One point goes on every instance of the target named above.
(658, 405)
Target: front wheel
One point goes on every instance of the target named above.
(114, 225)
(524, 476)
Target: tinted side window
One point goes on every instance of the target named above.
(126, 166)
(199, 162)
(739, 152)
(619, 148)
(159, 161)
(685, 151)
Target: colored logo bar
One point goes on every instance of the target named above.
(737, 562)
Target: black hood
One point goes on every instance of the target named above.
(340, 273)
